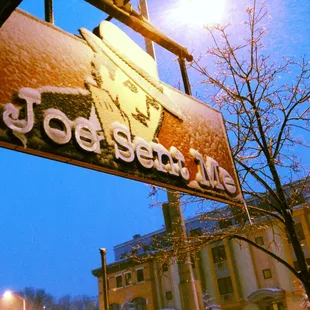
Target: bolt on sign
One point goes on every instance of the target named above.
(97, 102)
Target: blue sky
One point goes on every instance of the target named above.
(54, 217)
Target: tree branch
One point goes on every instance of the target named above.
(279, 259)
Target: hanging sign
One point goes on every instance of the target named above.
(97, 102)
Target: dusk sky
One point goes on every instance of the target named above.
(54, 217)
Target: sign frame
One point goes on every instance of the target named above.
(36, 118)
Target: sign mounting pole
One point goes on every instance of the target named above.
(6, 9)
(49, 14)
(149, 45)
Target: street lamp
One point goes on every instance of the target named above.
(105, 295)
(9, 295)
(151, 51)
(200, 12)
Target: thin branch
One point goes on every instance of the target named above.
(279, 259)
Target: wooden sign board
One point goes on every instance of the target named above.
(98, 103)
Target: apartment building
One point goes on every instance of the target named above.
(235, 274)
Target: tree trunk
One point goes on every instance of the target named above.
(300, 256)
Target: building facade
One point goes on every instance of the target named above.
(237, 275)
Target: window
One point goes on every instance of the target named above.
(259, 240)
(195, 232)
(299, 231)
(288, 236)
(238, 215)
(169, 295)
(296, 265)
(139, 302)
(218, 254)
(128, 279)
(296, 199)
(267, 273)
(146, 248)
(193, 262)
(165, 267)
(274, 306)
(140, 275)
(225, 286)
(225, 223)
(119, 281)
(114, 307)
(265, 205)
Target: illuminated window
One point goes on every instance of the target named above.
(267, 273)
(128, 279)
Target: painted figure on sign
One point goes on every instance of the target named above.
(123, 91)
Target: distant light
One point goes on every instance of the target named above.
(7, 295)
(201, 12)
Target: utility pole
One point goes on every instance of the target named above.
(174, 217)
(191, 298)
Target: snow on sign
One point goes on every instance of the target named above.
(97, 102)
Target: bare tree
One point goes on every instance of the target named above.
(127, 305)
(209, 303)
(265, 118)
(37, 298)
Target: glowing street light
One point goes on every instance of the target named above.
(201, 12)
(8, 295)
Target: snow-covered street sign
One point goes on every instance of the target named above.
(97, 102)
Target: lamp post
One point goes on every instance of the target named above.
(9, 295)
(103, 253)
